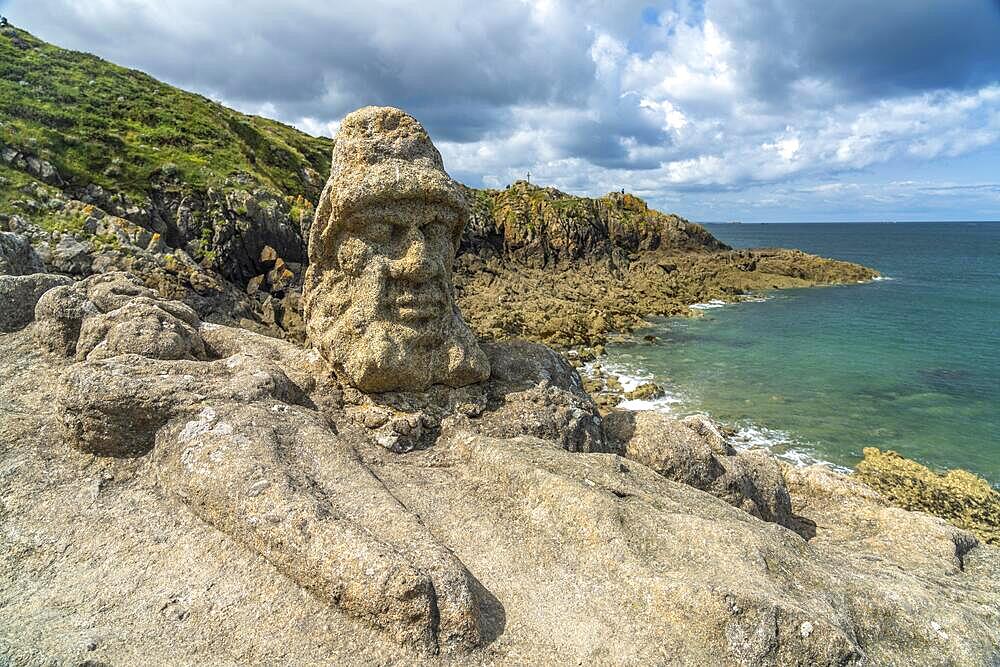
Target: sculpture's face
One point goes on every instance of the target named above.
(378, 298)
(400, 254)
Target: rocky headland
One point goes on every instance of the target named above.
(246, 417)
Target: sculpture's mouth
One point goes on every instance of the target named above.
(412, 304)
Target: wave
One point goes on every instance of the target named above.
(630, 379)
(745, 435)
(714, 303)
(754, 298)
(749, 436)
(719, 303)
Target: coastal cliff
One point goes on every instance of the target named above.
(106, 168)
(540, 264)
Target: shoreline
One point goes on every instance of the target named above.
(959, 496)
(584, 304)
(750, 436)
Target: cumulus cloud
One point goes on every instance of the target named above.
(698, 105)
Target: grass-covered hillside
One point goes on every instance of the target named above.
(99, 123)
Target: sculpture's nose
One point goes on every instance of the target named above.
(416, 264)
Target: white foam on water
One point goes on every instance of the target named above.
(630, 379)
(780, 443)
(754, 298)
(748, 435)
(714, 303)
(881, 278)
(659, 404)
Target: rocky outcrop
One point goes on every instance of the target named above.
(539, 226)
(378, 296)
(694, 453)
(22, 281)
(253, 437)
(24, 160)
(511, 515)
(580, 304)
(17, 257)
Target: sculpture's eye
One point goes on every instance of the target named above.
(436, 234)
(376, 232)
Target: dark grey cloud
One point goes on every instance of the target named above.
(324, 59)
(669, 97)
(867, 49)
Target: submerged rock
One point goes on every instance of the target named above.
(645, 391)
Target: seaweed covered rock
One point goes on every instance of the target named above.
(378, 295)
(581, 303)
(959, 496)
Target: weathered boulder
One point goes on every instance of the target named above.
(531, 391)
(378, 296)
(156, 329)
(112, 314)
(116, 406)
(277, 480)
(751, 481)
(20, 294)
(72, 256)
(534, 391)
(17, 257)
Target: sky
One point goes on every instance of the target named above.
(719, 110)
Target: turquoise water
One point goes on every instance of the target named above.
(911, 363)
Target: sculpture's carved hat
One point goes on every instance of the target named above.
(381, 155)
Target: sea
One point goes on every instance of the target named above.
(909, 362)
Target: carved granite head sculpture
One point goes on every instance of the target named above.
(379, 300)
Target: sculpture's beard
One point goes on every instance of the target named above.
(383, 334)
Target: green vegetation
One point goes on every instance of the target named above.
(118, 128)
(527, 214)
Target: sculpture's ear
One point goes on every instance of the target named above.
(318, 233)
(456, 232)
